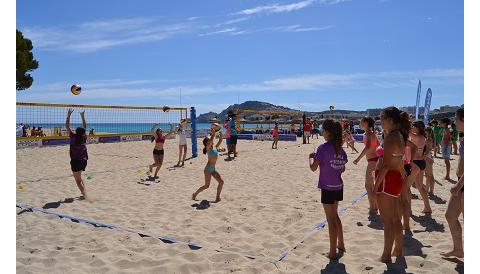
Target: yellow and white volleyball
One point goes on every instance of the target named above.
(216, 126)
(76, 89)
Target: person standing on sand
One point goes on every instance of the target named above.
(454, 138)
(158, 151)
(437, 132)
(455, 204)
(210, 170)
(316, 128)
(293, 129)
(371, 143)
(430, 181)
(446, 145)
(331, 158)
(419, 138)
(78, 151)
(182, 144)
(226, 125)
(275, 136)
(389, 179)
(307, 130)
(233, 133)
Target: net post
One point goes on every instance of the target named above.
(304, 120)
(193, 119)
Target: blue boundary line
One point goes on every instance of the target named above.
(316, 228)
(164, 239)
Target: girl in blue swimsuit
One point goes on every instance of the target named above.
(209, 170)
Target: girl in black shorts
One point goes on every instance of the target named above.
(78, 151)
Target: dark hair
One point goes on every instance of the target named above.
(429, 133)
(80, 137)
(459, 113)
(153, 136)
(446, 121)
(370, 122)
(205, 143)
(335, 130)
(420, 126)
(434, 122)
(400, 118)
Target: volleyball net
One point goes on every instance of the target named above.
(39, 121)
(258, 124)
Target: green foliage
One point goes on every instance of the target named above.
(25, 62)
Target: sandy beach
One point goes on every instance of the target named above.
(269, 202)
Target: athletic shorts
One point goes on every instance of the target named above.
(446, 151)
(78, 165)
(331, 196)
(233, 139)
(158, 152)
(392, 185)
(228, 141)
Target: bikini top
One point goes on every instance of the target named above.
(212, 153)
(160, 140)
(374, 143)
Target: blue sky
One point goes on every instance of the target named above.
(304, 54)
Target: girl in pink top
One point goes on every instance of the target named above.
(275, 136)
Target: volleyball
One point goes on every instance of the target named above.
(216, 126)
(76, 89)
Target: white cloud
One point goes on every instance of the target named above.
(278, 8)
(103, 34)
(319, 82)
(222, 31)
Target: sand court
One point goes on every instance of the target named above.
(269, 202)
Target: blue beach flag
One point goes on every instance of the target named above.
(417, 105)
(428, 100)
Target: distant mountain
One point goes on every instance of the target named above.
(256, 105)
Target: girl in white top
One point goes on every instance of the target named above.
(182, 145)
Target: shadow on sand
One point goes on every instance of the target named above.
(429, 223)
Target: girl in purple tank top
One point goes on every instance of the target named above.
(331, 159)
(78, 151)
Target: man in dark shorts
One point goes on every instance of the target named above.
(233, 133)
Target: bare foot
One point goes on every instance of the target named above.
(217, 200)
(341, 247)
(453, 253)
(194, 197)
(373, 211)
(447, 178)
(385, 259)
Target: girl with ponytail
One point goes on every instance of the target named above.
(371, 143)
(331, 158)
(210, 170)
(389, 179)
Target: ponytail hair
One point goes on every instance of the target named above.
(334, 128)
(420, 126)
(80, 137)
(205, 143)
(400, 119)
(370, 122)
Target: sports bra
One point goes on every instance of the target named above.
(160, 140)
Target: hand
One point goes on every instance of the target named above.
(311, 155)
(70, 111)
(82, 113)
